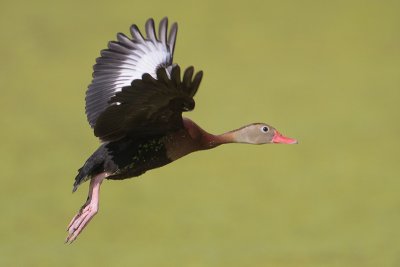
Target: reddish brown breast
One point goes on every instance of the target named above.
(185, 141)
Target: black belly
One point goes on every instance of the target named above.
(132, 157)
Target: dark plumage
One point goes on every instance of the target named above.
(135, 104)
(124, 158)
(149, 106)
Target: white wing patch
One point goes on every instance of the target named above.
(126, 60)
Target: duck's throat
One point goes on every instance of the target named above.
(211, 140)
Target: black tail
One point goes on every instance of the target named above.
(92, 166)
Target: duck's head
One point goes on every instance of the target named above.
(261, 133)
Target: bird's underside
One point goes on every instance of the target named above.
(125, 158)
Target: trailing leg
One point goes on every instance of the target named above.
(88, 210)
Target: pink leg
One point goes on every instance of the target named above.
(88, 210)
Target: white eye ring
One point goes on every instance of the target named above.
(264, 129)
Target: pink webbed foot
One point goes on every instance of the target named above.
(80, 221)
(88, 210)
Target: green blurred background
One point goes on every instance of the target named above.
(325, 72)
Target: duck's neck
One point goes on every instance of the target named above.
(210, 140)
(207, 140)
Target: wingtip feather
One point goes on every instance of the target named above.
(150, 30)
(162, 30)
(172, 37)
(136, 34)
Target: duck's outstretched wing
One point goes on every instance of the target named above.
(150, 106)
(126, 60)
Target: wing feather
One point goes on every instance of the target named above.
(150, 31)
(136, 34)
(150, 106)
(124, 40)
(172, 37)
(162, 31)
(126, 60)
(187, 76)
(196, 83)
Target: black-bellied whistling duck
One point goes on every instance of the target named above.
(135, 104)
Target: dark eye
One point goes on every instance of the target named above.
(264, 129)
